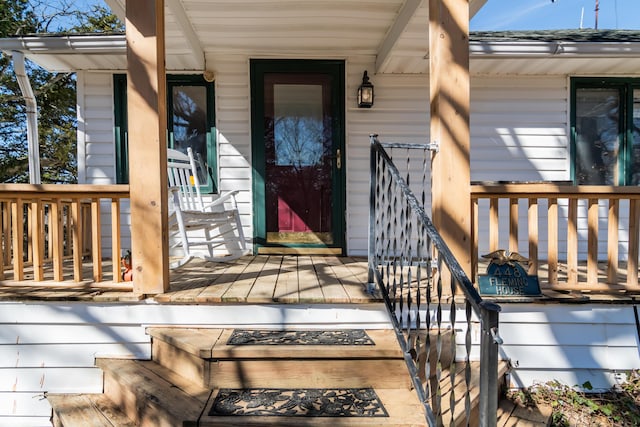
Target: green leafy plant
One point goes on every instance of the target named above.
(579, 405)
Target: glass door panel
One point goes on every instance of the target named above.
(299, 158)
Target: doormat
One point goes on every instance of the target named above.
(309, 402)
(264, 337)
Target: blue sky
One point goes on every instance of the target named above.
(499, 15)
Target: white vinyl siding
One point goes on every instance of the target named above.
(95, 118)
(400, 114)
(519, 129)
(569, 343)
(233, 122)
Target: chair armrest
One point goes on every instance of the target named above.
(230, 195)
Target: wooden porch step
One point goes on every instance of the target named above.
(286, 384)
(398, 407)
(155, 396)
(86, 410)
(210, 343)
(152, 395)
(511, 414)
(227, 377)
(228, 358)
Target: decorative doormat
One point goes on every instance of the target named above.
(310, 402)
(264, 337)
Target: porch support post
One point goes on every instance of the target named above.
(147, 117)
(450, 93)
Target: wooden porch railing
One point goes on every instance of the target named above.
(598, 250)
(44, 225)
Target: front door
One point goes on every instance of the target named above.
(298, 155)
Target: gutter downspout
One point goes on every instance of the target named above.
(32, 117)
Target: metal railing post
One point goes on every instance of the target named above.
(372, 215)
(489, 341)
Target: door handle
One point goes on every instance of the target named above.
(337, 158)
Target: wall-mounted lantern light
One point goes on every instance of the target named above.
(365, 92)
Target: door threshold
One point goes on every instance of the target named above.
(266, 250)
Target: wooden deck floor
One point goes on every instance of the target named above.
(279, 279)
(252, 279)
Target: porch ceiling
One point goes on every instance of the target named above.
(393, 31)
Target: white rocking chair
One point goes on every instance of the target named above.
(220, 236)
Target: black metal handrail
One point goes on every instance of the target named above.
(409, 261)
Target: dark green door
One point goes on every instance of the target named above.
(298, 155)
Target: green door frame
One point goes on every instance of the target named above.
(336, 70)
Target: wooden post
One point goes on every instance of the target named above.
(37, 239)
(96, 245)
(450, 93)
(552, 239)
(634, 243)
(612, 247)
(533, 236)
(116, 241)
(17, 231)
(146, 103)
(57, 241)
(77, 228)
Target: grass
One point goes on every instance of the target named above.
(619, 406)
